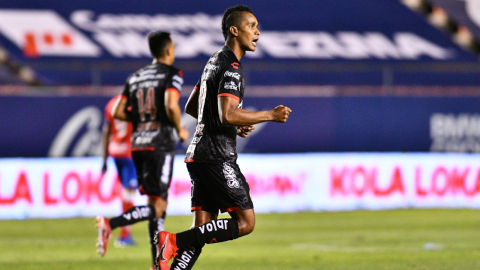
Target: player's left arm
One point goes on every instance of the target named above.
(231, 114)
(174, 113)
(245, 130)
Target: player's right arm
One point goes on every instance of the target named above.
(192, 103)
(230, 114)
(120, 108)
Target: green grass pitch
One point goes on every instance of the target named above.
(398, 239)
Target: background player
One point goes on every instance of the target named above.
(153, 93)
(217, 182)
(117, 144)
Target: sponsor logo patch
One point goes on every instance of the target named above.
(231, 86)
(232, 74)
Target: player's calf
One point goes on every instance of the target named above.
(104, 233)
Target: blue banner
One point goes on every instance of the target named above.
(102, 41)
(71, 126)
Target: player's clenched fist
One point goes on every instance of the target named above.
(280, 114)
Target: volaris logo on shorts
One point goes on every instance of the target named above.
(229, 174)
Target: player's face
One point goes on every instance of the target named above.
(248, 33)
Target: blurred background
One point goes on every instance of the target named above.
(378, 89)
(385, 98)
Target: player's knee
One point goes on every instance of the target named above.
(159, 210)
(246, 227)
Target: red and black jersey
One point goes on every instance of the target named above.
(213, 141)
(145, 93)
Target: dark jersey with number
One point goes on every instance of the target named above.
(213, 141)
(145, 93)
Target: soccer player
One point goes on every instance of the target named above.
(117, 144)
(217, 182)
(152, 93)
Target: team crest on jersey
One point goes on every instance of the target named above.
(229, 174)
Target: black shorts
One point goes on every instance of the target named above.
(154, 172)
(219, 186)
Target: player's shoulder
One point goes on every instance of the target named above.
(227, 60)
(174, 70)
(132, 78)
(227, 55)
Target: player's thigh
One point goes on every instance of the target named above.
(138, 158)
(202, 199)
(164, 166)
(146, 166)
(232, 189)
(221, 185)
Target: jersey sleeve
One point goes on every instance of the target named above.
(176, 82)
(197, 86)
(230, 81)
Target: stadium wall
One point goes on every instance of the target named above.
(74, 187)
(324, 119)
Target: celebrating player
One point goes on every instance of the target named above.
(153, 93)
(217, 182)
(117, 144)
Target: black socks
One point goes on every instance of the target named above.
(154, 226)
(186, 258)
(214, 231)
(133, 215)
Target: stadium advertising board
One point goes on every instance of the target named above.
(83, 34)
(71, 126)
(53, 188)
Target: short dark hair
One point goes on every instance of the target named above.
(158, 43)
(231, 17)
